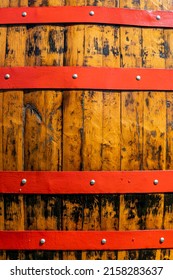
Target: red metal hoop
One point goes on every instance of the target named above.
(89, 14)
(103, 78)
(86, 182)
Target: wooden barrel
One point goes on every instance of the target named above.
(86, 130)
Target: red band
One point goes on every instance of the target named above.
(103, 78)
(105, 182)
(86, 240)
(89, 14)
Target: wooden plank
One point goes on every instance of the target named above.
(154, 148)
(168, 205)
(3, 33)
(154, 122)
(43, 126)
(131, 127)
(143, 153)
(12, 112)
(92, 147)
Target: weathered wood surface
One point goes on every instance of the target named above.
(86, 130)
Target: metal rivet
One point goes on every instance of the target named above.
(158, 17)
(24, 181)
(138, 78)
(42, 241)
(24, 14)
(156, 182)
(103, 241)
(91, 13)
(75, 76)
(92, 182)
(7, 76)
(162, 239)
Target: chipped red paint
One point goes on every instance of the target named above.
(87, 78)
(86, 240)
(101, 15)
(78, 182)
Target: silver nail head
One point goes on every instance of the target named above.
(24, 181)
(7, 76)
(156, 182)
(24, 14)
(91, 13)
(92, 182)
(103, 241)
(162, 239)
(42, 241)
(75, 76)
(138, 78)
(158, 17)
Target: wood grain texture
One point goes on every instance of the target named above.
(93, 144)
(12, 124)
(154, 124)
(168, 205)
(144, 135)
(86, 130)
(43, 126)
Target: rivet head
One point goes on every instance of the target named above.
(162, 239)
(138, 78)
(92, 182)
(103, 241)
(158, 17)
(24, 181)
(91, 13)
(7, 76)
(75, 76)
(42, 241)
(24, 14)
(156, 182)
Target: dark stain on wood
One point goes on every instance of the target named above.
(141, 205)
(147, 102)
(166, 49)
(41, 255)
(115, 51)
(33, 110)
(96, 46)
(106, 48)
(77, 212)
(129, 100)
(147, 254)
(31, 3)
(53, 36)
(165, 254)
